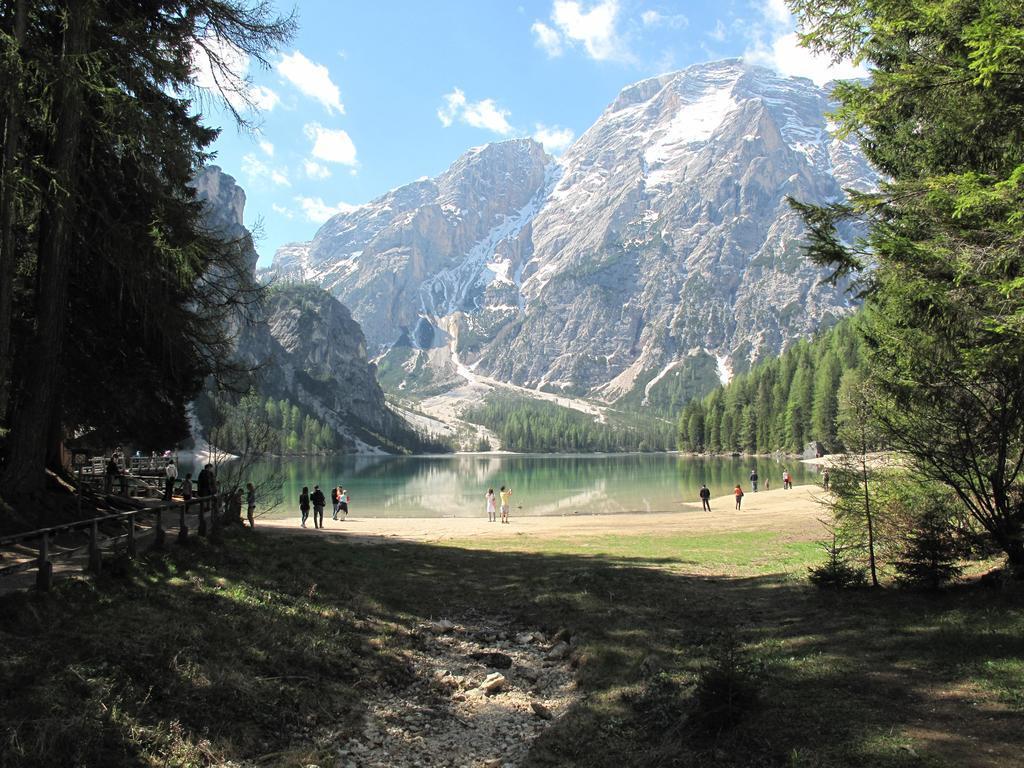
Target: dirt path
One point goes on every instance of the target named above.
(795, 512)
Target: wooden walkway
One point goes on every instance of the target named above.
(31, 560)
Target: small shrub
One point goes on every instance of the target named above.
(929, 556)
(837, 572)
(727, 690)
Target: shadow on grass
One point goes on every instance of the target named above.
(265, 649)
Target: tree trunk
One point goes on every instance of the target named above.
(867, 515)
(8, 183)
(39, 368)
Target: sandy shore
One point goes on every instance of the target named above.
(795, 512)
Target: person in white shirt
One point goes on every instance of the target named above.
(171, 472)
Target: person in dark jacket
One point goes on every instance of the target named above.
(705, 498)
(112, 471)
(205, 486)
(753, 480)
(304, 504)
(319, 502)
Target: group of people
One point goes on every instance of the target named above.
(317, 501)
(787, 483)
(506, 499)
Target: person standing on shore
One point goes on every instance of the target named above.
(739, 495)
(112, 471)
(492, 514)
(753, 479)
(705, 498)
(787, 481)
(319, 502)
(335, 499)
(343, 499)
(824, 479)
(170, 474)
(250, 501)
(506, 497)
(304, 504)
(204, 486)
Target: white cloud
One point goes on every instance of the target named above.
(280, 209)
(314, 170)
(594, 29)
(554, 139)
(333, 146)
(222, 68)
(312, 79)
(718, 33)
(547, 38)
(267, 147)
(785, 54)
(318, 211)
(479, 114)
(656, 19)
(777, 12)
(264, 98)
(783, 51)
(255, 169)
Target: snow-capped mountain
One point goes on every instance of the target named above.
(660, 247)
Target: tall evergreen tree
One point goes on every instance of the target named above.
(942, 118)
(107, 118)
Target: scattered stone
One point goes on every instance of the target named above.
(441, 627)
(541, 711)
(557, 652)
(493, 659)
(524, 638)
(494, 762)
(493, 683)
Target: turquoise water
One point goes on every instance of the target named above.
(454, 486)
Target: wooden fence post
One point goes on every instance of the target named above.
(160, 536)
(131, 537)
(95, 556)
(44, 579)
(183, 526)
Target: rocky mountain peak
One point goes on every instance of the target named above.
(658, 248)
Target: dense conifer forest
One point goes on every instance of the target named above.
(782, 404)
(538, 427)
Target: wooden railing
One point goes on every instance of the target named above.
(215, 507)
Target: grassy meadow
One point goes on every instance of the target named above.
(261, 651)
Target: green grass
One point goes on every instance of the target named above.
(747, 553)
(263, 649)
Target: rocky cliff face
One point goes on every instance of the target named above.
(224, 207)
(306, 346)
(658, 248)
(312, 353)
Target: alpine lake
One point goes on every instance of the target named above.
(542, 484)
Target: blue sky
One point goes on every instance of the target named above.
(372, 95)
